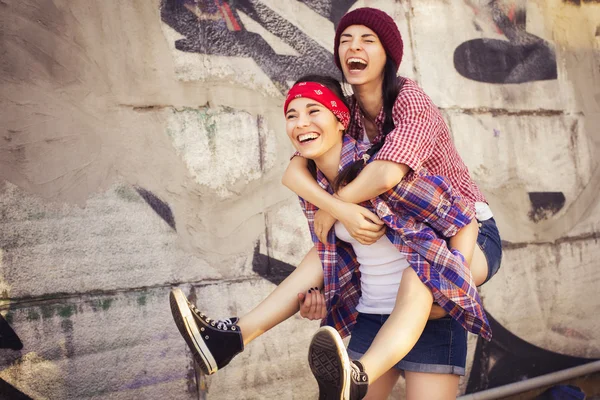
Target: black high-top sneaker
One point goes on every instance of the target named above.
(359, 381)
(213, 343)
(330, 364)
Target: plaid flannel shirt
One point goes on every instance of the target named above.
(420, 138)
(418, 214)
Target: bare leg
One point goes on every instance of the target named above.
(402, 329)
(382, 389)
(479, 266)
(479, 270)
(421, 385)
(282, 303)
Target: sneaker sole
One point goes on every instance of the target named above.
(189, 330)
(330, 364)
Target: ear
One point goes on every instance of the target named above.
(340, 126)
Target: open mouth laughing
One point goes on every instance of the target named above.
(307, 137)
(356, 64)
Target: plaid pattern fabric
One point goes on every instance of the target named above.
(416, 212)
(420, 138)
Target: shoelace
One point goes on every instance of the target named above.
(357, 375)
(222, 324)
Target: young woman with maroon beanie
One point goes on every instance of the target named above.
(407, 132)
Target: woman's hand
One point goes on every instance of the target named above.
(312, 304)
(323, 224)
(362, 224)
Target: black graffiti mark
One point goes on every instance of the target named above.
(9, 392)
(507, 359)
(159, 206)
(523, 58)
(273, 270)
(214, 27)
(545, 204)
(332, 10)
(580, 2)
(8, 337)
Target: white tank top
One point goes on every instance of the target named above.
(381, 267)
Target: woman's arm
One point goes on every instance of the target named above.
(376, 178)
(465, 240)
(298, 179)
(361, 223)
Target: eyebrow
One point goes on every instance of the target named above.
(363, 35)
(308, 105)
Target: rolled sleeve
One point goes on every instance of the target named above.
(431, 199)
(412, 140)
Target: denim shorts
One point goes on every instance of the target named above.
(489, 242)
(441, 349)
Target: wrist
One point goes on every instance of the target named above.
(340, 196)
(334, 206)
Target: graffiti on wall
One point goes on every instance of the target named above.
(160, 207)
(545, 204)
(580, 2)
(523, 57)
(216, 27)
(9, 340)
(8, 337)
(507, 359)
(8, 391)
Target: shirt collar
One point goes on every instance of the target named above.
(351, 151)
(357, 115)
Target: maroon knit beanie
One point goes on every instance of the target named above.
(380, 23)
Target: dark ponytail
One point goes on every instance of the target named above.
(390, 91)
(333, 85)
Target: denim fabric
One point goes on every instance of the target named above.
(442, 347)
(489, 242)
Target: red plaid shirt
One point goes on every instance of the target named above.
(416, 212)
(420, 138)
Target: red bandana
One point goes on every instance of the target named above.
(323, 95)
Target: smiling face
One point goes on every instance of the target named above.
(313, 129)
(362, 55)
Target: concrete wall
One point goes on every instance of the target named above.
(142, 145)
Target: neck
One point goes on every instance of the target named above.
(329, 163)
(370, 97)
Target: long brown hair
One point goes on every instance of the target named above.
(391, 89)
